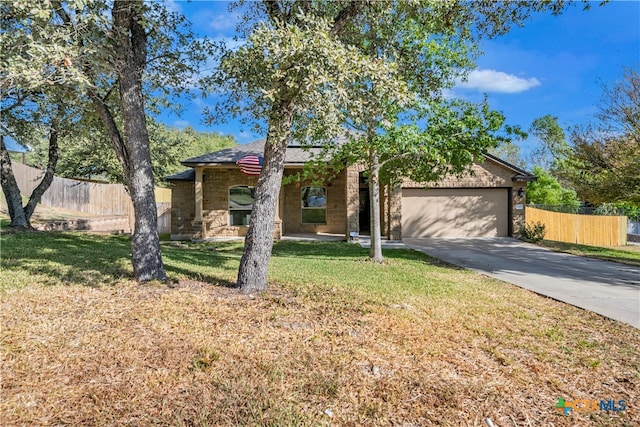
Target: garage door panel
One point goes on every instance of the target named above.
(454, 212)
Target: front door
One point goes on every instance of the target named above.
(364, 215)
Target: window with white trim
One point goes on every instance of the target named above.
(240, 204)
(314, 205)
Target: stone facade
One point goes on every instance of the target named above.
(394, 231)
(352, 198)
(483, 175)
(518, 203)
(182, 209)
(215, 200)
(200, 209)
(336, 205)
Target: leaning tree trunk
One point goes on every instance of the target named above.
(252, 274)
(131, 53)
(49, 173)
(11, 190)
(375, 252)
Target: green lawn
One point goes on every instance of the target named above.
(629, 254)
(335, 340)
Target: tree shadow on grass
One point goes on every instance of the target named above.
(413, 255)
(320, 250)
(92, 260)
(349, 251)
(211, 263)
(71, 258)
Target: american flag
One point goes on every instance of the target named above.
(250, 165)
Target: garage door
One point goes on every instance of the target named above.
(472, 212)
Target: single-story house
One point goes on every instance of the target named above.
(214, 199)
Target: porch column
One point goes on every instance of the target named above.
(395, 213)
(197, 230)
(352, 196)
(385, 211)
(278, 229)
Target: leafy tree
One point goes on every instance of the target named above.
(509, 152)
(93, 157)
(35, 76)
(628, 209)
(604, 164)
(553, 147)
(302, 66)
(619, 109)
(113, 60)
(169, 146)
(452, 135)
(291, 71)
(546, 190)
(603, 168)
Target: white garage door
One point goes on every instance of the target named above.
(464, 212)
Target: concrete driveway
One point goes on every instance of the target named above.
(607, 288)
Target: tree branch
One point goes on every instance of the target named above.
(113, 132)
(52, 161)
(344, 16)
(391, 159)
(273, 9)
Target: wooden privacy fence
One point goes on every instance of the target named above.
(595, 230)
(90, 197)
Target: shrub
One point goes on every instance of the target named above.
(627, 209)
(533, 233)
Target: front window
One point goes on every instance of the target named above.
(240, 204)
(314, 205)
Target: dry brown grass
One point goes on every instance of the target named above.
(311, 351)
(205, 355)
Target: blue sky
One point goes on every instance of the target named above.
(553, 65)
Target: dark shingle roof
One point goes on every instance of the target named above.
(227, 155)
(188, 175)
(521, 174)
(296, 154)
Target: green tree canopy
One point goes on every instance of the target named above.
(546, 190)
(308, 68)
(604, 163)
(111, 60)
(92, 157)
(553, 147)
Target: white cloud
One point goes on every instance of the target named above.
(181, 124)
(224, 22)
(172, 5)
(497, 81)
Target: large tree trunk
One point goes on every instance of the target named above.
(131, 55)
(375, 252)
(11, 190)
(252, 274)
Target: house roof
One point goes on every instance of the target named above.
(296, 155)
(187, 175)
(521, 174)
